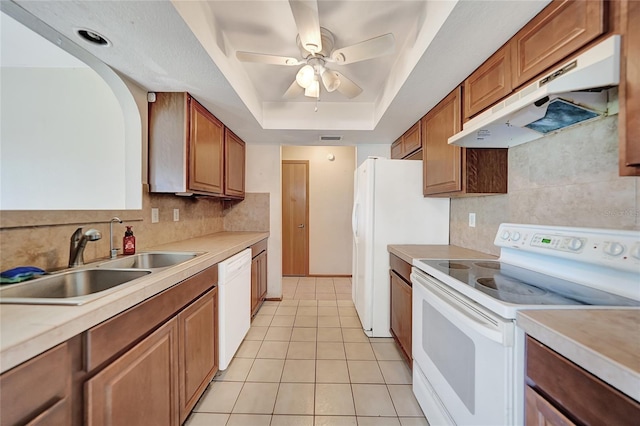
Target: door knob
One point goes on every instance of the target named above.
(301, 225)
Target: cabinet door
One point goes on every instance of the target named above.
(396, 150)
(540, 412)
(206, 143)
(411, 140)
(38, 391)
(401, 313)
(555, 33)
(198, 350)
(442, 163)
(234, 160)
(140, 387)
(262, 276)
(255, 284)
(489, 83)
(630, 125)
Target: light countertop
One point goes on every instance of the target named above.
(605, 342)
(28, 330)
(409, 252)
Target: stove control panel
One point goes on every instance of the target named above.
(614, 248)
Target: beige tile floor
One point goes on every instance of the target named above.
(306, 362)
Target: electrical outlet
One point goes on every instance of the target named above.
(176, 215)
(472, 220)
(155, 215)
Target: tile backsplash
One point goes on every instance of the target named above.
(47, 246)
(566, 179)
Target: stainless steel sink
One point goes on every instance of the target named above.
(150, 260)
(73, 287)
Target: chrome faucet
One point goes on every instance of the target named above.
(113, 252)
(77, 244)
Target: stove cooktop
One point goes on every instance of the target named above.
(520, 286)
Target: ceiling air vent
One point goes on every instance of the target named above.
(330, 138)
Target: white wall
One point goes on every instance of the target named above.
(47, 121)
(373, 150)
(263, 175)
(330, 204)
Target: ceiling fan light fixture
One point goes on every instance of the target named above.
(313, 91)
(330, 80)
(305, 76)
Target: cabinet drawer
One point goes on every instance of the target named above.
(110, 338)
(560, 29)
(581, 395)
(402, 268)
(258, 248)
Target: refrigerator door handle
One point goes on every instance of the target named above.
(354, 219)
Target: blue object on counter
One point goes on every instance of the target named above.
(19, 274)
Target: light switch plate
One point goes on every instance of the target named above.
(155, 215)
(472, 220)
(176, 215)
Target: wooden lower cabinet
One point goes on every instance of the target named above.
(258, 275)
(198, 357)
(38, 392)
(559, 392)
(140, 387)
(400, 299)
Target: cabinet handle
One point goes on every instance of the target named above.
(301, 225)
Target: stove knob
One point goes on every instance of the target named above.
(505, 235)
(635, 251)
(575, 244)
(515, 236)
(614, 249)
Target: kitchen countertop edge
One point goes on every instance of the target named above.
(29, 330)
(409, 252)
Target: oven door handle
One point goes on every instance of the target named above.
(484, 323)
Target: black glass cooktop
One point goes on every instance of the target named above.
(517, 285)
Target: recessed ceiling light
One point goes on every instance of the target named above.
(93, 37)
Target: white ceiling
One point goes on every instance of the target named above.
(190, 46)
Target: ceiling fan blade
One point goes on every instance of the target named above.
(293, 91)
(347, 87)
(305, 13)
(266, 59)
(372, 48)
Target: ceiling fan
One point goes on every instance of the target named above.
(316, 46)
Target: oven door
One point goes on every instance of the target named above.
(464, 354)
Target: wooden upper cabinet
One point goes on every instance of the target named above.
(408, 144)
(555, 33)
(489, 83)
(234, 158)
(191, 151)
(397, 149)
(206, 150)
(442, 163)
(630, 90)
(450, 170)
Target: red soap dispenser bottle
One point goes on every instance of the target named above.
(129, 242)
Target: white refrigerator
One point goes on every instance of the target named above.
(388, 209)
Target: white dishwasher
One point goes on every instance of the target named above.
(234, 305)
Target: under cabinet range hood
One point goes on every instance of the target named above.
(575, 92)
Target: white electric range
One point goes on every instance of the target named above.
(468, 354)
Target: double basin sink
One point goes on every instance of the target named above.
(78, 286)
